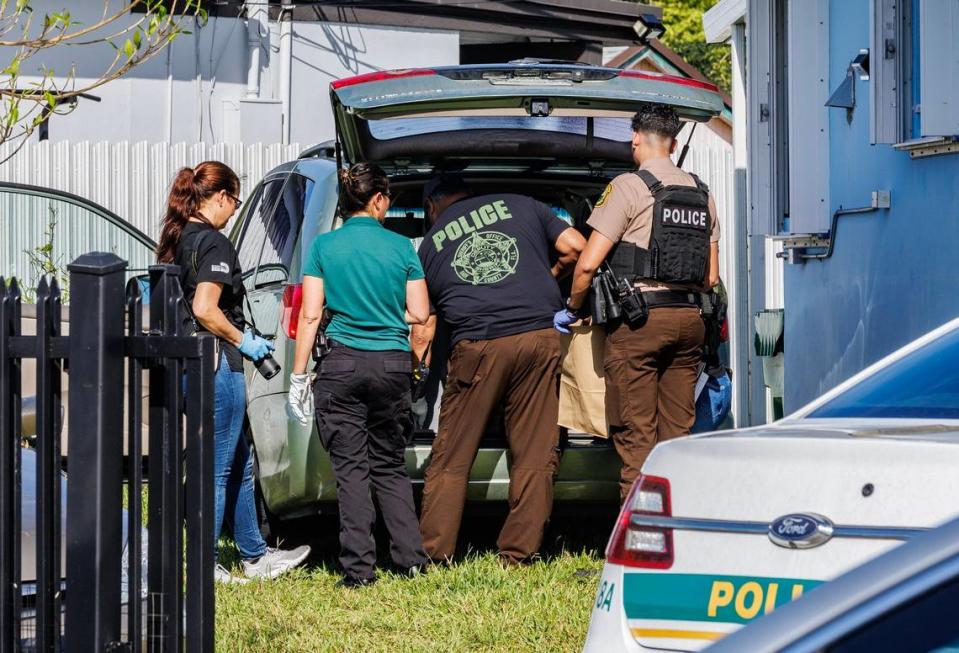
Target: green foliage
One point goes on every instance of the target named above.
(684, 34)
(26, 36)
(43, 263)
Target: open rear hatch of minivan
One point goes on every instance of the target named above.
(552, 116)
(555, 131)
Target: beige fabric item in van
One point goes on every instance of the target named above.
(582, 388)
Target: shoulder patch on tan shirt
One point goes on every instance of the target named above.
(601, 202)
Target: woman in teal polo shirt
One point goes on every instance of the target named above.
(371, 283)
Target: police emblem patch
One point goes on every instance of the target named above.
(485, 257)
(601, 202)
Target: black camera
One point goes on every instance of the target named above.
(267, 366)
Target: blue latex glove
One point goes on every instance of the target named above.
(563, 319)
(254, 347)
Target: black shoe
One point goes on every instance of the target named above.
(352, 582)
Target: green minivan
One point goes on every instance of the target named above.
(558, 132)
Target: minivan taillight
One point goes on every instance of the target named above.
(634, 545)
(290, 309)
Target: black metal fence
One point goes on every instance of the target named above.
(87, 609)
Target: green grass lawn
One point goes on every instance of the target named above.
(474, 605)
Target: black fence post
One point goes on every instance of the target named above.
(94, 508)
(49, 369)
(165, 565)
(199, 498)
(10, 523)
(134, 299)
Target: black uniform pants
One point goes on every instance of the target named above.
(363, 415)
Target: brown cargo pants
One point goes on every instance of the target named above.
(521, 372)
(650, 383)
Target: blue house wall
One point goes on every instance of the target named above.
(893, 275)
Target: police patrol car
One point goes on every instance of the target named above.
(725, 527)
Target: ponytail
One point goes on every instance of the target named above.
(190, 187)
(360, 184)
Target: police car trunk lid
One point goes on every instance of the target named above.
(555, 116)
(732, 495)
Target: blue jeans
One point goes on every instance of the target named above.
(234, 463)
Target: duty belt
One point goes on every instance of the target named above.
(677, 298)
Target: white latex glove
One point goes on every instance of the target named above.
(299, 401)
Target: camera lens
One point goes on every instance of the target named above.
(267, 367)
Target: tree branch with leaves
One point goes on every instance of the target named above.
(27, 103)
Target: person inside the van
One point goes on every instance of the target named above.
(371, 282)
(491, 264)
(201, 202)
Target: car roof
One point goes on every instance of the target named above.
(816, 619)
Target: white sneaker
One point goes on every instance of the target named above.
(221, 575)
(275, 562)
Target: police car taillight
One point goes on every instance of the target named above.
(634, 545)
(290, 309)
(379, 76)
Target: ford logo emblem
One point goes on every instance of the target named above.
(800, 531)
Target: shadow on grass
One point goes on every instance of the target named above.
(570, 531)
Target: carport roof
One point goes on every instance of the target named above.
(598, 21)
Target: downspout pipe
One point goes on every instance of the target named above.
(286, 65)
(257, 30)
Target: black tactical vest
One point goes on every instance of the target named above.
(679, 243)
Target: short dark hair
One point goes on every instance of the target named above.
(658, 119)
(443, 185)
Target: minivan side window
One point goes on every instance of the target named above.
(272, 228)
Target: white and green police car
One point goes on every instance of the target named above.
(725, 527)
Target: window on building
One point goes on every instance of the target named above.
(914, 62)
(938, 67)
(807, 30)
(891, 71)
(768, 124)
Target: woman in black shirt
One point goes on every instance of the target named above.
(201, 202)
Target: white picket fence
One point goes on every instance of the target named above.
(132, 179)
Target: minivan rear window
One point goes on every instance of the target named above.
(614, 129)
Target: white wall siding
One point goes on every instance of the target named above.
(132, 179)
(711, 158)
(196, 89)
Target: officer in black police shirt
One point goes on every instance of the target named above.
(487, 264)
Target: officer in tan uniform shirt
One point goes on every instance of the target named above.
(658, 229)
